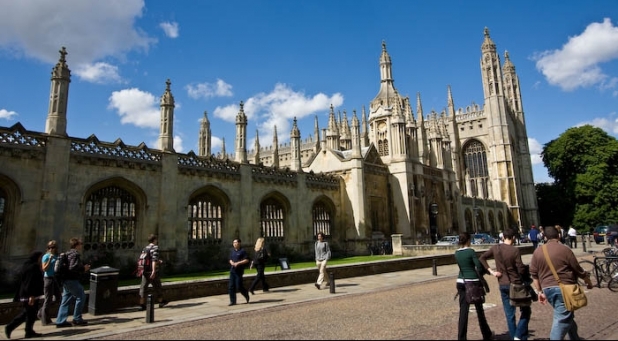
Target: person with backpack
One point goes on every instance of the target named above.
(51, 288)
(151, 273)
(30, 288)
(259, 261)
(322, 255)
(70, 270)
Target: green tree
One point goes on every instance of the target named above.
(584, 164)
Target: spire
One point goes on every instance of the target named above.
(365, 130)
(488, 44)
(419, 107)
(275, 149)
(296, 164)
(508, 65)
(166, 135)
(241, 135)
(56, 123)
(205, 136)
(356, 139)
(256, 156)
(316, 130)
(223, 152)
(386, 74)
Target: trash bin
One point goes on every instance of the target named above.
(103, 290)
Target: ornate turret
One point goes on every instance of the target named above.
(332, 132)
(275, 148)
(204, 141)
(166, 135)
(56, 123)
(241, 135)
(256, 156)
(356, 138)
(295, 147)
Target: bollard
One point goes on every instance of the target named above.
(435, 267)
(584, 243)
(331, 280)
(149, 309)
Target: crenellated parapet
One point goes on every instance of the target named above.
(322, 181)
(19, 142)
(472, 112)
(115, 154)
(274, 175)
(207, 165)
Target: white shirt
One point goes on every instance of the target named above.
(572, 232)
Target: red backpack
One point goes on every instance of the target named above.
(144, 262)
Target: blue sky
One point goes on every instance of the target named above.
(289, 59)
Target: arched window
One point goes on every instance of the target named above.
(110, 219)
(206, 218)
(322, 219)
(272, 219)
(475, 158)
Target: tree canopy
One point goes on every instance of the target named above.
(584, 164)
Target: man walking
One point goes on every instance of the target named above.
(568, 270)
(152, 274)
(509, 269)
(533, 235)
(72, 289)
(238, 260)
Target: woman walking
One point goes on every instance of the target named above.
(30, 288)
(260, 257)
(469, 268)
(51, 287)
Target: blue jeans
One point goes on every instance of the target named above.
(564, 320)
(236, 284)
(72, 289)
(519, 330)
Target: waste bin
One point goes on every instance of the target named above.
(103, 290)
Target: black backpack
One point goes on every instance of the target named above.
(61, 267)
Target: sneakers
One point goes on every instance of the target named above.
(247, 298)
(63, 325)
(80, 323)
(163, 304)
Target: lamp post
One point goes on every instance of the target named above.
(476, 219)
(433, 210)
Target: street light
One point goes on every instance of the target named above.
(476, 219)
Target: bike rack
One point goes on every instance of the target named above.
(597, 266)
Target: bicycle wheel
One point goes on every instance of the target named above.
(589, 267)
(613, 284)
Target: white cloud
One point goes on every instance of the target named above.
(535, 151)
(170, 29)
(136, 107)
(7, 115)
(90, 30)
(278, 108)
(100, 73)
(178, 147)
(577, 64)
(209, 90)
(609, 124)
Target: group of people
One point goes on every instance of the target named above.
(37, 278)
(566, 236)
(239, 259)
(509, 268)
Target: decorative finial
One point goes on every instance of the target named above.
(241, 105)
(167, 84)
(506, 54)
(63, 53)
(486, 32)
(383, 45)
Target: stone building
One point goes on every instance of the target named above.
(393, 170)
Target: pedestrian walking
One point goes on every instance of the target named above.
(30, 289)
(322, 255)
(509, 269)
(238, 260)
(152, 273)
(72, 289)
(469, 269)
(548, 289)
(572, 233)
(533, 235)
(260, 257)
(51, 289)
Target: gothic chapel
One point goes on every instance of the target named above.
(364, 177)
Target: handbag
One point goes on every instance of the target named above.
(519, 294)
(475, 292)
(572, 294)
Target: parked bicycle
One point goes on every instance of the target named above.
(603, 268)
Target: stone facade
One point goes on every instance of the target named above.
(360, 180)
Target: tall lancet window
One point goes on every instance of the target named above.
(272, 219)
(205, 220)
(475, 158)
(322, 218)
(110, 219)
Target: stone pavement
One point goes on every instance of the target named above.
(130, 319)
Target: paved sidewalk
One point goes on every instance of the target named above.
(131, 319)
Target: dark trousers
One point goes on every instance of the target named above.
(236, 284)
(28, 315)
(464, 308)
(259, 278)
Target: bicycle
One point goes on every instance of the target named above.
(602, 269)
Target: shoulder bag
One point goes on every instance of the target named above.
(475, 290)
(572, 294)
(519, 294)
